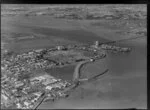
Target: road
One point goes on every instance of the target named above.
(76, 74)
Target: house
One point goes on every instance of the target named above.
(30, 53)
(60, 48)
(96, 44)
(61, 63)
(3, 96)
(26, 104)
(40, 78)
(38, 94)
(92, 60)
(49, 87)
(39, 50)
(95, 50)
(49, 81)
(19, 105)
(18, 84)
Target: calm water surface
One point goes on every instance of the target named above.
(64, 73)
(124, 87)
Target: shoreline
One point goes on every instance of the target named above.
(76, 79)
(77, 69)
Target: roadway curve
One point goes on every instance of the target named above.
(76, 74)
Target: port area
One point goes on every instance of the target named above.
(29, 78)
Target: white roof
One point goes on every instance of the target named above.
(39, 50)
(49, 87)
(18, 105)
(4, 97)
(26, 103)
(37, 93)
(49, 81)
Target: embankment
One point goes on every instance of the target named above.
(76, 74)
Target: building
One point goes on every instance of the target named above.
(18, 84)
(40, 78)
(30, 53)
(4, 97)
(61, 63)
(19, 105)
(38, 94)
(39, 50)
(26, 104)
(92, 60)
(49, 81)
(95, 50)
(60, 47)
(49, 87)
(96, 44)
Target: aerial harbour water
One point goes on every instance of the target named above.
(124, 66)
(74, 56)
